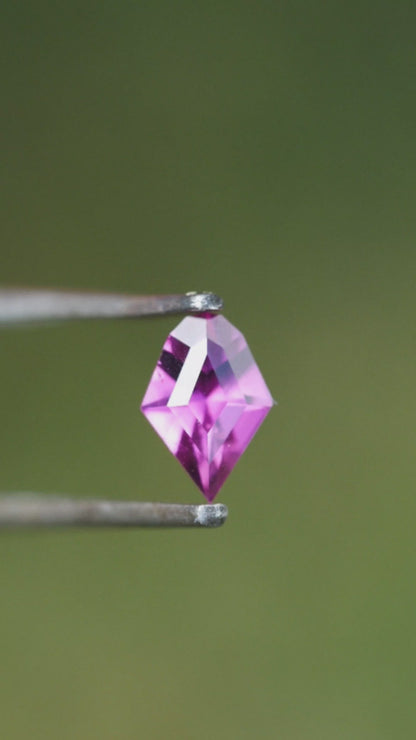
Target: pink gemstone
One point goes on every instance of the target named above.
(206, 398)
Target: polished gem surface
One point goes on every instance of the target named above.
(206, 398)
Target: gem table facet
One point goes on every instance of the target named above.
(206, 398)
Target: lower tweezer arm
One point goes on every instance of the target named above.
(20, 510)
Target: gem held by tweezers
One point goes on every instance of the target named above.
(206, 398)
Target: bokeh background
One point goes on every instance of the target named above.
(265, 151)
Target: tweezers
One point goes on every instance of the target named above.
(29, 306)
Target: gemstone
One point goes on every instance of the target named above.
(206, 398)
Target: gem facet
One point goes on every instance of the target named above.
(206, 398)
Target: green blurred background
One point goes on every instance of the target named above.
(265, 151)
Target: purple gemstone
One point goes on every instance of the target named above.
(206, 398)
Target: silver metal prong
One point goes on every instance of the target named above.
(29, 510)
(26, 305)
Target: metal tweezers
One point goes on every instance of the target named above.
(30, 510)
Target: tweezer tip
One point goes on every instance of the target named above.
(200, 302)
(211, 515)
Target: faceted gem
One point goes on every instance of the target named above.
(206, 398)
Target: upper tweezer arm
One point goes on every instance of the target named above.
(27, 305)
